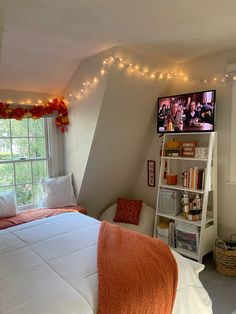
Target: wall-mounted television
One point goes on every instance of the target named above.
(192, 112)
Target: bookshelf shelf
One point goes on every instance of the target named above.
(201, 172)
(183, 158)
(181, 218)
(180, 188)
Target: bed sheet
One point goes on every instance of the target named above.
(49, 266)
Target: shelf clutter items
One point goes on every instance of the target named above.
(186, 197)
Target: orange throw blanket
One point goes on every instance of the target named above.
(34, 214)
(137, 274)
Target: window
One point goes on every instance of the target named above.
(23, 158)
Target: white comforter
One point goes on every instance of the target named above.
(49, 267)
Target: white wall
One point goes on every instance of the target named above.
(19, 96)
(208, 67)
(116, 142)
(83, 116)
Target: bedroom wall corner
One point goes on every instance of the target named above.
(83, 114)
(124, 132)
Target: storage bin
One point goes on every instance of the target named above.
(163, 229)
(225, 259)
(187, 240)
(169, 202)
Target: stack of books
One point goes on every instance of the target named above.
(193, 178)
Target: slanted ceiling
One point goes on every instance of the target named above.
(44, 41)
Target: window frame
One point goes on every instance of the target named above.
(29, 160)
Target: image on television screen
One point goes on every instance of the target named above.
(193, 112)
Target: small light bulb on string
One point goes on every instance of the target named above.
(105, 61)
(88, 83)
(142, 73)
(50, 100)
(121, 65)
(161, 76)
(153, 76)
(137, 67)
(95, 80)
(111, 58)
(168, 76)
(215, 79)
(40, 101)
(205, 81)
(82, 90)
(102, 71)
(84, 84)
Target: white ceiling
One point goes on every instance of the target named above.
(45, 40)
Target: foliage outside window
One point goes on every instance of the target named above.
(23, 158)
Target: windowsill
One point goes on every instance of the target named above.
(23, 208)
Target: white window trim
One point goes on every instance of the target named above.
(231, 72)
(54, 156)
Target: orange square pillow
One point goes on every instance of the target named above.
(128, 211)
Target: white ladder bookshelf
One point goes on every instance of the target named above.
(207, 226)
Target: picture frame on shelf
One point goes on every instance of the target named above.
(151, 173)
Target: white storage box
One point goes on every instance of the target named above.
(201, 152)
(165, 239)
(169, 202)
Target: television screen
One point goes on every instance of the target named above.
(193, 112)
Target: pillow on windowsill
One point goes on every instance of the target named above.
(128, 211)
(58, 192)
(7, 204)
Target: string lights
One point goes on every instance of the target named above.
(143, 72)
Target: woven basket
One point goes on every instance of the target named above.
(225, 259)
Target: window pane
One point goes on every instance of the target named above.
(37, 147)
(23, 172)
(19, 128)
(6, 174)
(5, 149)
(24, 194)
(39, 170)
(37, 193)
(4, 128)
(36, 128)
(20, 148)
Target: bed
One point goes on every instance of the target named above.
(49, 266)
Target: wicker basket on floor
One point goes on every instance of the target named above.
(225, 259)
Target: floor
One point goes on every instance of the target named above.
(221, 289)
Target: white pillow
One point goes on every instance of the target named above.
(58, 192)
(7, 204)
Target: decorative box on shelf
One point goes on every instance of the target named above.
(201, 152)
(188, 149)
